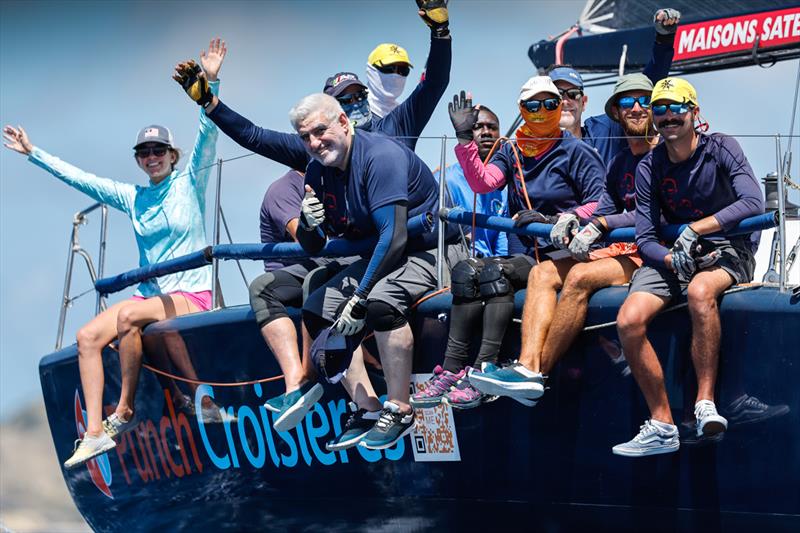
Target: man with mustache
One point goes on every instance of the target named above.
(601, 132)
(704, 181)
(551, 323)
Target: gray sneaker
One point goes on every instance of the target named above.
(651, 440)
(88, 448)
(114, 426)
(709, 422)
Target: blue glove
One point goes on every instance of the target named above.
(353, 316)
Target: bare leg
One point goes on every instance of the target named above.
(635, 314)
(130, 322)
(92, 338)
(397, 351)
(570, 313)
(704, 289)
(544, 282)
(358, 385)
(281, 337)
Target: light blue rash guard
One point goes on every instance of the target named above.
(168, 218)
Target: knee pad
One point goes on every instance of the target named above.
(265, 304)
(493, 281)
(464, 279)
(383, 317)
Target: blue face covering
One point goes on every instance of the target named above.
(358, 113)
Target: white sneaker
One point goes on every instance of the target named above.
(654, 437)
(709, 422)
(114, 426)
(88, 448)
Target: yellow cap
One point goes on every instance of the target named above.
(674, 89)
(387, 54)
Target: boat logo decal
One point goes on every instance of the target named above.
(99, 467)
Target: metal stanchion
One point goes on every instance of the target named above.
(215, 293)
(101, 256)
(781, 214)
(441, 257)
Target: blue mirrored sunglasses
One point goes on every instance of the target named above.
(533, 106)
(627, 102)
(352, 98)
(675, 109)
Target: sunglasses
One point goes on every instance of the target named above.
(550, 104)
(395, 68)
(572, 94)
(157, 151)
(627, 102)
(675, 109)
(353, 98)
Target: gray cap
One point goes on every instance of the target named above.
(628, 82)
(154, 134)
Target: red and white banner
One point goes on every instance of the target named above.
(712, 37)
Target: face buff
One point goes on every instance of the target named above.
(539, 131)
(358, 113)
(384, 90)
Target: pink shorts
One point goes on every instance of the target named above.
(618, 249)
(201, 300)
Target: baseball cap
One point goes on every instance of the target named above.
(332, 352)
(336, 84)
(567, 74)
(154, 134)
(537, 84)
(676, 90)
(628, 82)
(387, 54)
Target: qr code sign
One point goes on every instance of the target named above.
(434, 436)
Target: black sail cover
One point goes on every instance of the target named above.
(713, 34)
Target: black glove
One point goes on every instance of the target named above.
(463, 115)
(668, 13)
(529, 216)
(194, 82)
(705, 254)
(434, 13)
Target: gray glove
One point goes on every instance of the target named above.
(583, 241)
(563, 230)
(705, 254)
(353, 316)
(312, 212)
(683, 264)
(669, 14)
(686, 241)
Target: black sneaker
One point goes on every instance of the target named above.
(749, 410)
(356, 428)
(390, 428)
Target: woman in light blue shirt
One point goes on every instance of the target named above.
(168, 216)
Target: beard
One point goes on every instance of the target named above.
(637, 130)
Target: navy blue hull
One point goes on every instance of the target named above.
(547, 468)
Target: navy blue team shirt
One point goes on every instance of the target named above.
(716, 180)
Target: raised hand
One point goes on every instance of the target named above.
(193, 80)
(211, 61)
(666, 20)
(434, 14)
(17, 140)
(463, 115)
(312, 212)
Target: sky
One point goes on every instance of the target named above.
(84, 77)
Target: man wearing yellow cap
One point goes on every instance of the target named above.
(388, 67)
(705, 182)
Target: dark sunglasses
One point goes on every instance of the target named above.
(353, 98)
(157, 151)
(627, 102)
(572, 94)
(675, 109)
(532, 106)
(395, 68)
